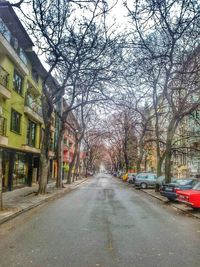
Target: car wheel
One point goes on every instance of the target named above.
(143, 185)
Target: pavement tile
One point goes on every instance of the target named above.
(20, 200)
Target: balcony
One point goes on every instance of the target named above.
(33, 87)
(4, 77)
(9, 46)
(3, 126)
(32, 109)
(31, 149)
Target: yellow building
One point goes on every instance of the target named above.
(21, 119)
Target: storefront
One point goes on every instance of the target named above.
(19, 169)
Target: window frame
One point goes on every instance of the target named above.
(13, 129)
(20, 92)
(29, 133)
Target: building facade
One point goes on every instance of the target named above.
(21, 118)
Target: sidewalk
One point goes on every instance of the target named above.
(21, 200)
(174, 204)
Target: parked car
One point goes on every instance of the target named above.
(145, 180)
(125, 177)
(159, 182)
(190, 197)
(131, 178)
(170, 190)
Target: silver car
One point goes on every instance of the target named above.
(146, 180)
(131, 178)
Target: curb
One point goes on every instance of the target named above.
(173, 205)
(49, 198)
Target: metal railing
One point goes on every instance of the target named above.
(3, 126)
(4, 77)
(35, 77)
(13, 42)
(33, 104)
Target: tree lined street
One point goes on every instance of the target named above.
(92, 91)
(102, 223)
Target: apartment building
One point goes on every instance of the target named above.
(186, 156)
(21, 119)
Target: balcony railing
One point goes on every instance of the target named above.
(4, 77)
(33, 104)
(35, 76)
(3, 126)
(13, 41)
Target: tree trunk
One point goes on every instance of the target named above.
(71, 165)
(44, 157)
(168, 166)
(44, 170)
(125, 155)
(159, 166)
(77, 164)
(168, 151)
(126, 161)
(160, 160)
(59, 180)
(86, 167)
(139, 160)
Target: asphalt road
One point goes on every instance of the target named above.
(103, 223)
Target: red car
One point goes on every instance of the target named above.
(190, 197)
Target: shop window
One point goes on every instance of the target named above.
(15, 121)
(17, 82)
(31, 133)
(20, 170)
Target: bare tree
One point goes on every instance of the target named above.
(121, 139)
(165, 34)
(80, 49)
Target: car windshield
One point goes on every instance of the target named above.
(183, 182)
(197, 187)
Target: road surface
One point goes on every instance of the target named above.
(103, 223)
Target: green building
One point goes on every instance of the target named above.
(21, 120)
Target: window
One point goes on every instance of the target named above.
(142, 176)
(15, 121)
(4, 31)
(151, 177)
(31, 133)
(17, 83)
